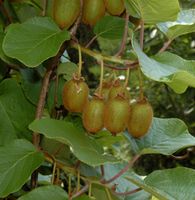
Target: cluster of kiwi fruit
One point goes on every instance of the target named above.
(109, 108)
(65, 12)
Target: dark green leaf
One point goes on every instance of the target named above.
(83, 147)
(18, 160)
(168, 68)
(184, 24)
(166, 136)
(153, 11)
(110, 27)
(50, 192)
(34, 41)
(15, 112)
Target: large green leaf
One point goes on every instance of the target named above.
(178, 183)
(50, 192)
(166, 136)
(168, 68)
(18, 160)
(184, 24)
(84, 148)
(110, 27)
(34, 41)
(153, 11)
(15, 112)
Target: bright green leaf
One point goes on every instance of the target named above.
(154, 11)
(110, 27)
(84, 148)
(15, 112)
(166, 136)
(184, 24)
(50, 192)
(178, 183)
(34, 41)
(168, 68)
(18, 160)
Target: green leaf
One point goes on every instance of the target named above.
(50, 192)
(83, 147)
(15, 112)
(155, 192)
(2, 54)
(34, 41)
(110, 27)
(178, 183)
(184, 24)
(18, 160)
(166, 136)
(168, 68)
(67, 69)
(153, 11)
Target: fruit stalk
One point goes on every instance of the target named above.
(101, 77)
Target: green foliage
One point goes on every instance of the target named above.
(38, 133)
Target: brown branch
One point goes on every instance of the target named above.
(128, 66)
(165, 46)
(78, 21)
(126, 193)
(6, 13)
(41, 104)
(125, 34)
(120, 173)
(142, 35)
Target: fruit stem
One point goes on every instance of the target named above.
(101, 77)
(127, 78)
(80, 61)
(141, 97)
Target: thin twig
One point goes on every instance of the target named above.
(125, 34)
(91, 41)
(165, 46)
(126, 193)
(120, 173)
(80, 192)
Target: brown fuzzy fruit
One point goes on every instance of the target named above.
(93, 10)
(65, 12)
(118, 89)
(115, 7)
(93, 114)
(140, 119)
(116, 115)
(75, 95)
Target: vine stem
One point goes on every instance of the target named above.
(120, 173)
(125, 34)
(165, 46)
(101, 77)
(126, 193)
(99, 56)
(45, 2)
(91, 41)
(139, 69)
(80, 192)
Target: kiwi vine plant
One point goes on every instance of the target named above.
(81, 82)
